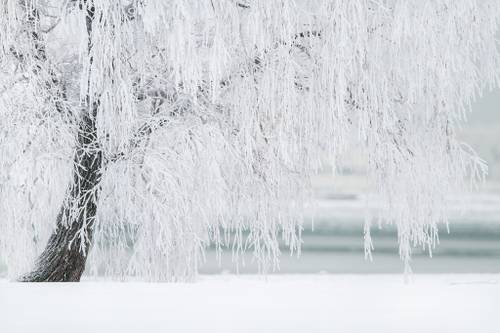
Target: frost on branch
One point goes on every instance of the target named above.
(212, 115)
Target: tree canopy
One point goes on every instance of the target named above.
(211, 116)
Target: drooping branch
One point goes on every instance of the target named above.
(218, 112)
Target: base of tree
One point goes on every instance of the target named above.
(59, 261)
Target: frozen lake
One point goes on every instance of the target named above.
(467, 249)
(336, 244)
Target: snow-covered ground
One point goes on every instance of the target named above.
(286, 303)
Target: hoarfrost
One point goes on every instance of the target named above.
(213, 115)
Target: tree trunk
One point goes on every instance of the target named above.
(66, 253)
(65, 256)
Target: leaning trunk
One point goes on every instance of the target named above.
(66, 253)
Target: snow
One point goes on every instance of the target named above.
(210, 117)
(280, 303)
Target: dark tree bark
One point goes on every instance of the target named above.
(65, 256)
(66, 253)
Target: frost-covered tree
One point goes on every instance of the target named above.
(135, 133)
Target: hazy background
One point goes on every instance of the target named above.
(336, 244)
